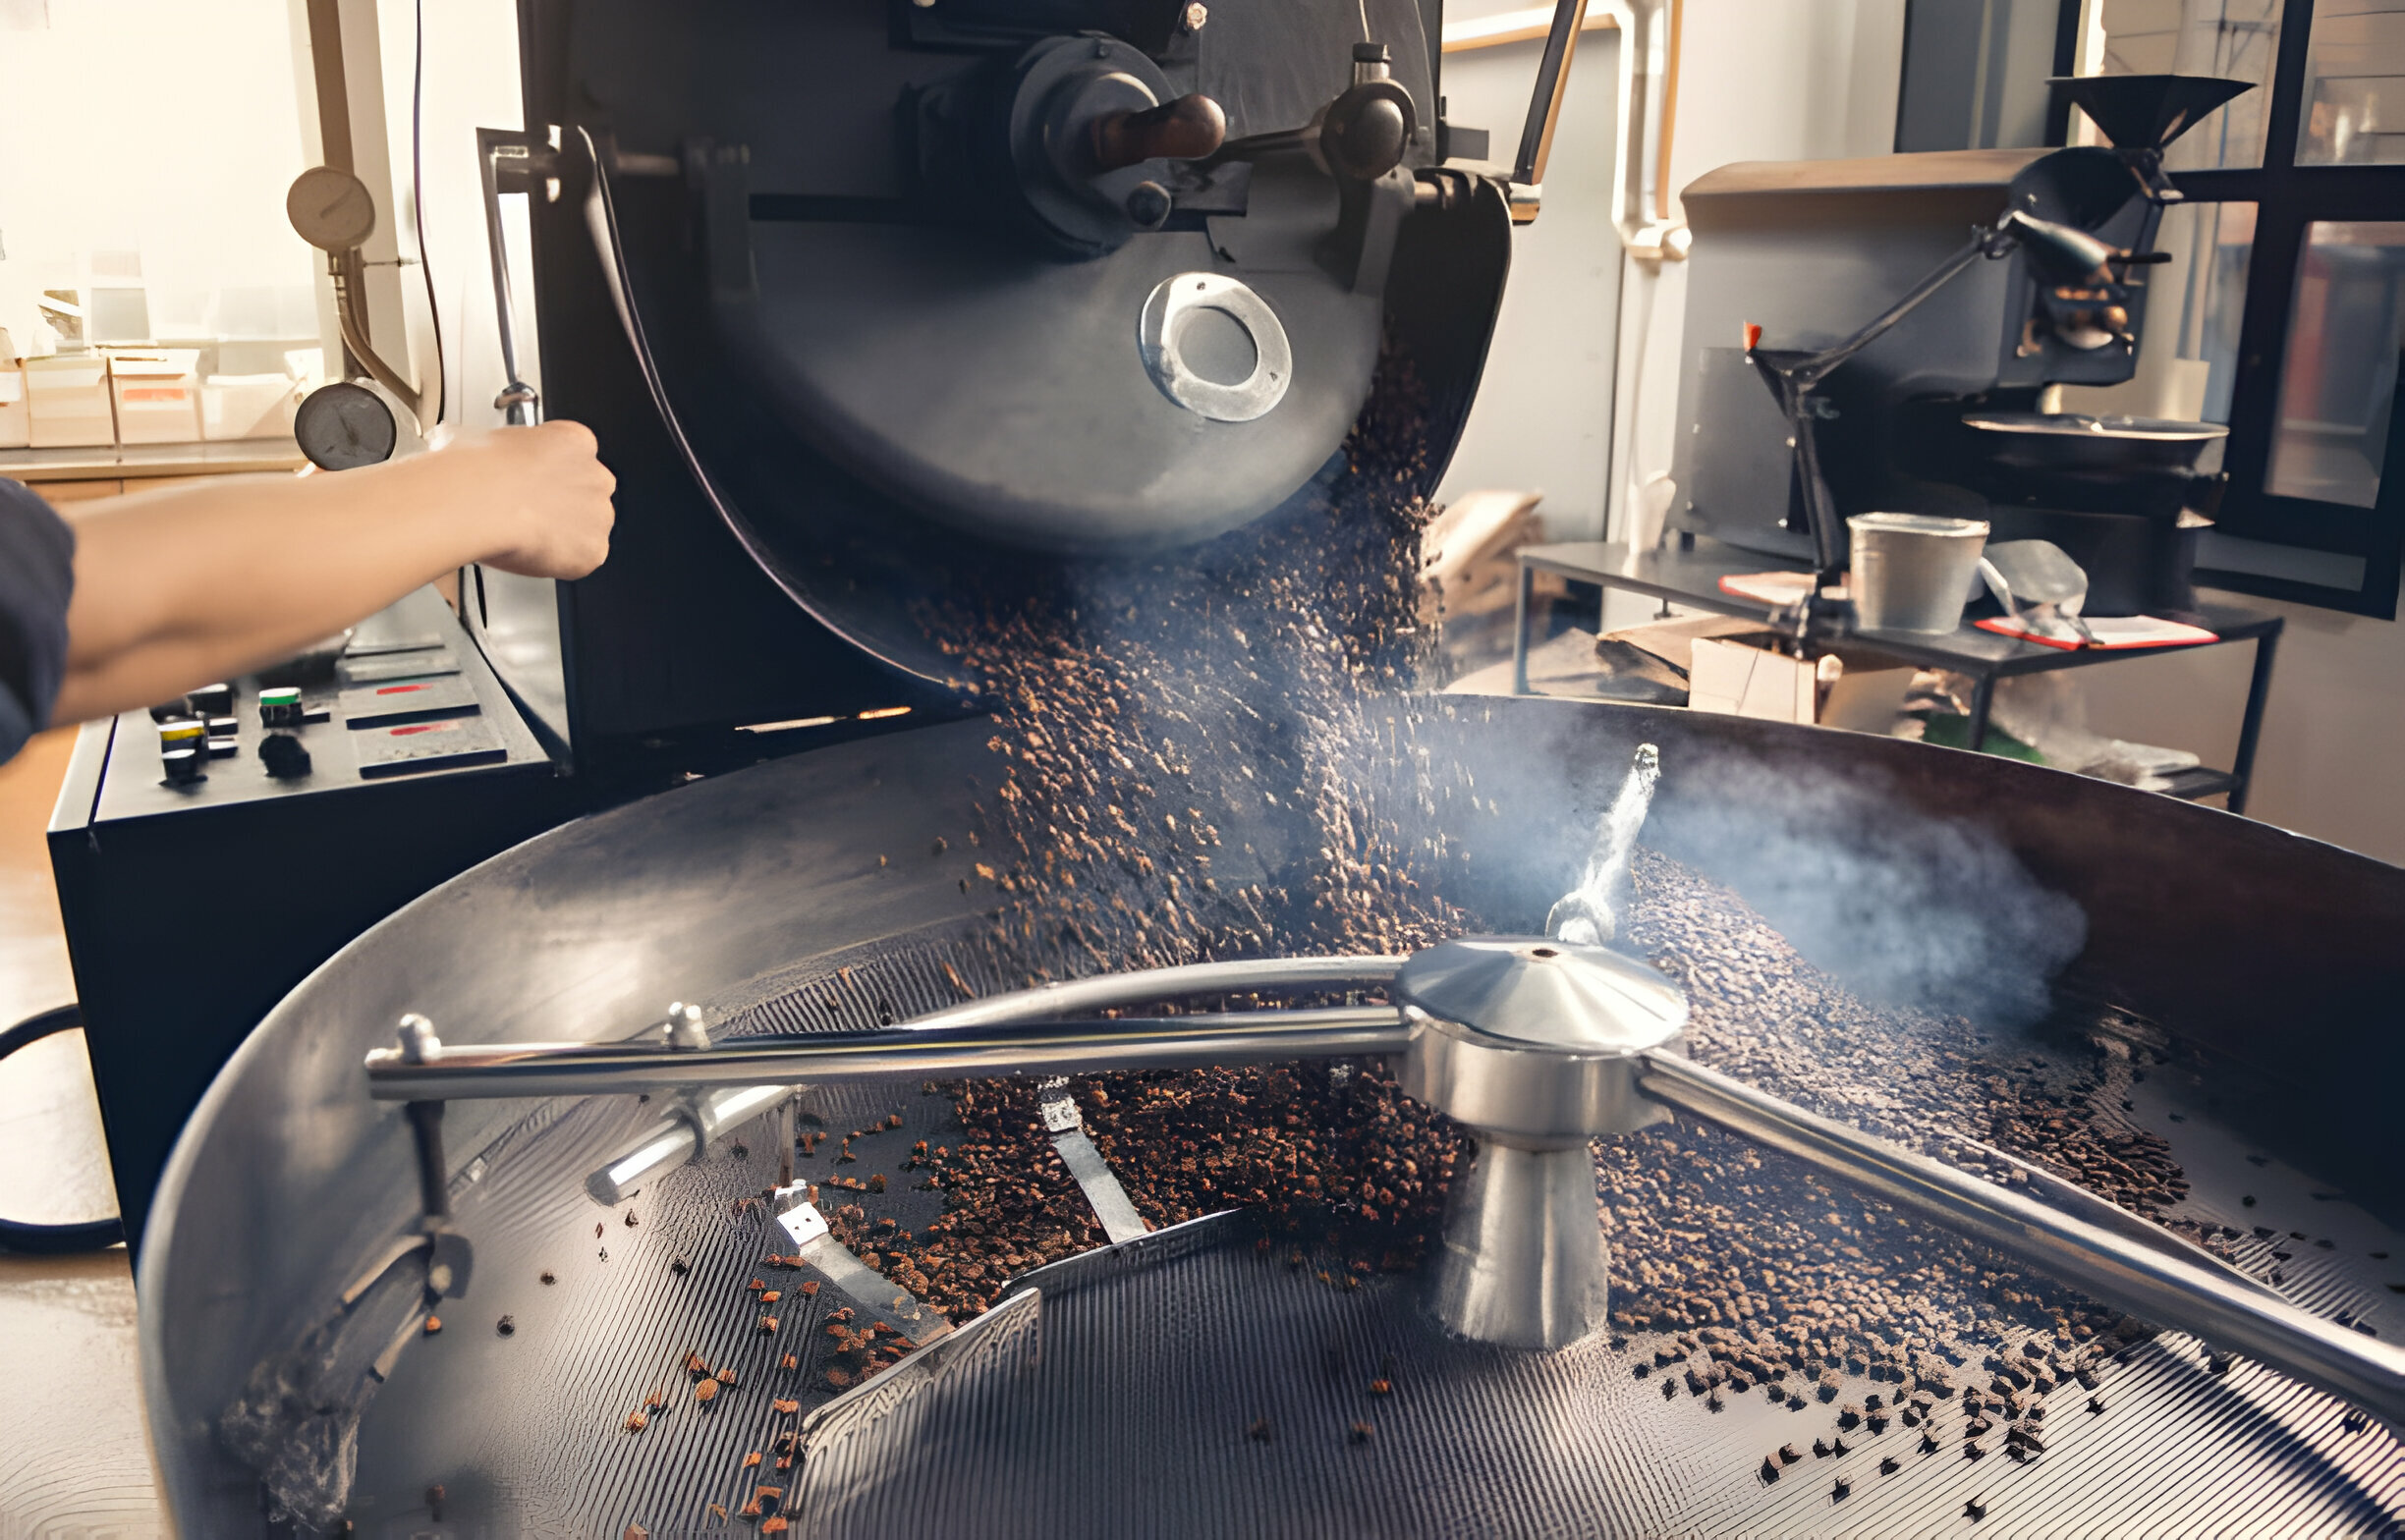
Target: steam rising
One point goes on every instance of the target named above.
(1585, 914)
(1915, 911)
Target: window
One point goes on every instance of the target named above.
(2288, 260)
(2337, 386)
(2354, 86)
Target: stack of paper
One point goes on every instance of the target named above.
(2112, 631)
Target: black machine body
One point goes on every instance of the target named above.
(875, 311)
(881, 313)
(1943, 412)
(200, 884)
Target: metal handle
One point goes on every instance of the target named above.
(2145, 1280)
(518, 159)
(1188, 128)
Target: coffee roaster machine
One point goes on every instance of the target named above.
(908, 337)
(1848, 350)
(887, 308)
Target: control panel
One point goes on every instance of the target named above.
(246, 830)
(404, 694)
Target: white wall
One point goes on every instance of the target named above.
(1797, 80)
(470, 80)
(1543, 419)
(168, 128)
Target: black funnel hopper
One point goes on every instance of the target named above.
(2141, 112)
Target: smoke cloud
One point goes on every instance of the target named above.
(1904, 908)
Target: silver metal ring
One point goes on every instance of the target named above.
(1164, 313)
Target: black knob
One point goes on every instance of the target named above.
(184, 766)
(1188, 128)
(212, 700)
(285, 756)
(1149, 206)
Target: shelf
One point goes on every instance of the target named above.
(2195, 784)
(133, 461)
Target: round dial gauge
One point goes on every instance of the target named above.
(332, 210)
(344, 426)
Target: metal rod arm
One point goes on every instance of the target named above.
(506, 1070)
(2145, 1281)
(1151, 987)
(1545, 97)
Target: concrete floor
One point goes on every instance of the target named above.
(75, 1463)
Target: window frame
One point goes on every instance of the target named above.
(2289, 199)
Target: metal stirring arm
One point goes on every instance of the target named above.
(1570, 1042)
(2150, 1281)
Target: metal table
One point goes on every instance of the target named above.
(1692, 578)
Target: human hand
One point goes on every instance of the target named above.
(534, 500)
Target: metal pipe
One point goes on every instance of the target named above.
(679, 1136)
(676, 1140)
(1193, 980)
(2145, 1281)
(507, 1070)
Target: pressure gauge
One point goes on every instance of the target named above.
(343, 427)
(332, 210)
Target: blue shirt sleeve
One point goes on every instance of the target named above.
(36, 580)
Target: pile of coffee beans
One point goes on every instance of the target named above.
(1189, 752)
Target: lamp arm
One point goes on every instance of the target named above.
(1795, 376)
(1984, 243)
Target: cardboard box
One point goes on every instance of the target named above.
(248, 406)
(69, 401)
(1740, 676)
(15, 413)
(16, 417)
(157, 394)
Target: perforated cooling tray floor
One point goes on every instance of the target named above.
(1122, 1399)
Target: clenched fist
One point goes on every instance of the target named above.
(534, 501)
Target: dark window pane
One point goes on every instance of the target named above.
(2355, 86)
(2339, 382)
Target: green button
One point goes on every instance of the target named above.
(285, 696)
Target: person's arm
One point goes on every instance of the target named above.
(179, 589)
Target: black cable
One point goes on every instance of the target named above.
(426, 267)
(53, 1239)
